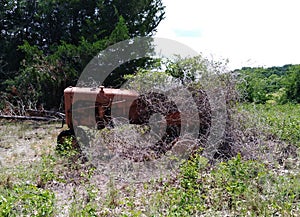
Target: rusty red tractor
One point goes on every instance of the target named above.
(92, 107)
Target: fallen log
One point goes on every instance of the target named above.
(32, 118)
(43, 113)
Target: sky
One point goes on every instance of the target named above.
(251, 33)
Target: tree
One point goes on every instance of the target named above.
(66, 34)
(47, 23)
(293, 84)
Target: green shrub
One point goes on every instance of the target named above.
(26, 200)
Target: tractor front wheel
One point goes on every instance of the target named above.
(67, 142)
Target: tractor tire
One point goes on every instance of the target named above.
(66, 140)
(157, 103)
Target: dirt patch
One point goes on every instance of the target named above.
(24, 142)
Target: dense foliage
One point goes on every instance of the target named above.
(271, 85)
(46, 44)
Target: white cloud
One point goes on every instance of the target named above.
(187, 33)
(266, 32)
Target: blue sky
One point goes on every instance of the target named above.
(247, 32)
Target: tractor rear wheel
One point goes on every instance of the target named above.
(157, 103)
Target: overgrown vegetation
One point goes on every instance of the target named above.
(260, 176)
(51, 185)
(280, 121)
(26, 199)
(235, 187)
(257, 175)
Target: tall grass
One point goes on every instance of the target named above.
(282, 121)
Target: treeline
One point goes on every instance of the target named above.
(45, 45)
(270, 85)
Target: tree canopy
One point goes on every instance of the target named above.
(51, 41)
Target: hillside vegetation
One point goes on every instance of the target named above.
(271, 85)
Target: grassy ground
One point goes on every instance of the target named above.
(282, 121)
(35, 181)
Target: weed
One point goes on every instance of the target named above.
(68, 147)
(237, 187)
(26, 200)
